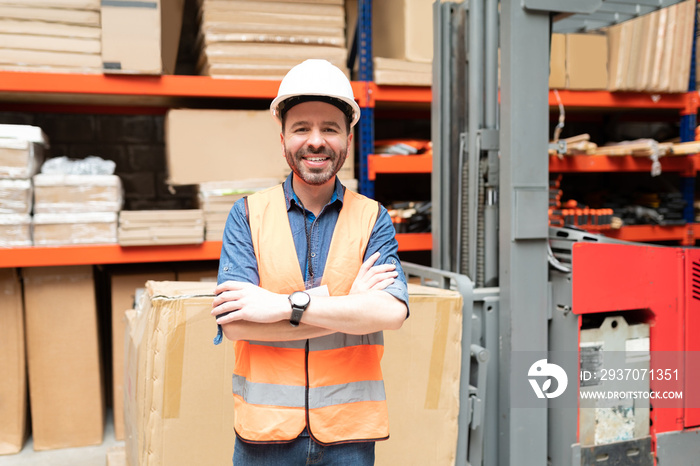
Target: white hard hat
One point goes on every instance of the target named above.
(317, 80)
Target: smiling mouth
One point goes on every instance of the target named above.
(316, 159)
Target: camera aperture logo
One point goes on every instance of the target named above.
(541, 369)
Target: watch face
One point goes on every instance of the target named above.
(300, 299)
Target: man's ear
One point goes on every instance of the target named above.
(350, 137)
(282, 142)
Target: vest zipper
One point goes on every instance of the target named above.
(306, 389)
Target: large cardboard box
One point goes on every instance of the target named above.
(230, 145)
(124, 284)
(13, 383)
(557, 62)
(141, 36)
(179, 407)
(403, 29)
(421, 367)
(63, 357)
(586, 61)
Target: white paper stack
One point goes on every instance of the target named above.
(52, 229)
(21, 153)
(264, 39)
(15, 196)
(50, 35)
(217, 198)
(55, 193)
(157, 227)
(15, 230)
(21, 150)
(76, 209)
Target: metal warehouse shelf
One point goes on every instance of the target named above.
(591, 18)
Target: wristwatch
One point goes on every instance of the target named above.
(300, 301)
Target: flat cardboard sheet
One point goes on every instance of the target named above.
(63, 357)
(13, 383)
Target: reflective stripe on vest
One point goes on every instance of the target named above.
(345, 390)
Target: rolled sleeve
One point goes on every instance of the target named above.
(237, 261)
(383, 239)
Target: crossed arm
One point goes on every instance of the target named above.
(259, 314)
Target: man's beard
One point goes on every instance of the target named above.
(311, 176)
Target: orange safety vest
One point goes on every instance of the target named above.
(333, 384)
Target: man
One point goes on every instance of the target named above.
(309, 277)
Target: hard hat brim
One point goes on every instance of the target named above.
(281, 98)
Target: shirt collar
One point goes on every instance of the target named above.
(290, 195)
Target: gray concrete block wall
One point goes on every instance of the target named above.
(136, 143)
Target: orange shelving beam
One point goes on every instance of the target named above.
(29, 83)
(415, 241)
(88, 254)
(398, 164)
(402, 94)
(628, 100)
(40, 256)
(685, 234)
(619, 163)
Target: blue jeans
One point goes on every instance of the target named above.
(303, 451)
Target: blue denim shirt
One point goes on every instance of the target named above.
(238, 260)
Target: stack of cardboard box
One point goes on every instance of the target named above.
(263, 39)
(76, 209)
(154, 227)
(50, 35)
(21, 153)
(403, 42)
(651, 53)
(179, 407)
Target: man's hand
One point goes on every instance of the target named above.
(373, 278)
(244, 301)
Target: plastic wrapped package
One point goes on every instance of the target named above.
(90, 165)
(21, 150)
(15, 230)
(55, 193)
(15, 196)
(51, 229)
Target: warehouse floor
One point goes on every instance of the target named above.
(83, 456)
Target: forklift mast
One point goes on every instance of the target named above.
(490, 190)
